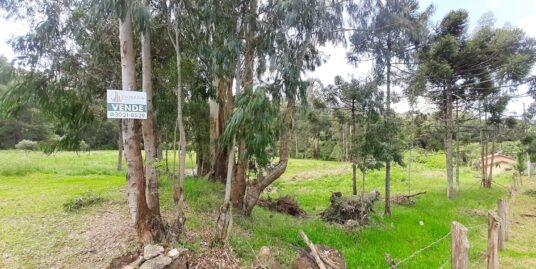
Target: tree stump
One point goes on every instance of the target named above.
(459, 246)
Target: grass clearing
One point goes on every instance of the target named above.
(34, 228)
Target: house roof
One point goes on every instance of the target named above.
(498, 157)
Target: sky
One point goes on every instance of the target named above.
(519, 13)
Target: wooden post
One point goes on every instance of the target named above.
(492, 254)
(512, 194)
(459, 246)
(502, 211)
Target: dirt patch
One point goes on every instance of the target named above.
(316, 174)
(434, 174)
(122, 261)
(211, 257)
(286, 204)
(109, 235)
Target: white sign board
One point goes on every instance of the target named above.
(126, 104)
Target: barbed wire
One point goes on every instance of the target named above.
(419, 251)
(431, 245)
(444, 264)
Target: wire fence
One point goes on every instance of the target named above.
(417, 252)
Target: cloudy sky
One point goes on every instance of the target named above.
(519, 13)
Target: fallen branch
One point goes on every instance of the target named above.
(403, 199)
(532, 215)
(314, 252)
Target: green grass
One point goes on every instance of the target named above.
(34, 187)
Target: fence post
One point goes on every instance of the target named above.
(459, 246)
(502, 211)
(492, 254)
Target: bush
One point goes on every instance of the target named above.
(26, 145)
(86, 199)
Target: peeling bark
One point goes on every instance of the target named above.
(149, 132)
(148, 226)
(257, 186)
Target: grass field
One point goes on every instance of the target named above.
(36, 231)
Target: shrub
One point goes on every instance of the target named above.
(84, 200)
(26, 145)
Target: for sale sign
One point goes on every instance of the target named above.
(126, 104)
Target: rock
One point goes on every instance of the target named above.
(151, 251)
(351, 224)
(175, 253)
(159, 262)
(181, 260)
(265, 261)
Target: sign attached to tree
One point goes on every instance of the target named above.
(126, 104)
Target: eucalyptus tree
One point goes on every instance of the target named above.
(147, 222)
(388, 33)
(287, 36)
(69, 55)
(148, 126)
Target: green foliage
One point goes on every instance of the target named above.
(521, 164)
(64, 177)
(261, 123)
(26, 145)
(86, 199)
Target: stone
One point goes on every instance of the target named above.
(151, 251)
(175, 253)
(159, 262)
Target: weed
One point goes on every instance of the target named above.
(84, 200)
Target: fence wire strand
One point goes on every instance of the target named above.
(431, 245)
(419, 251)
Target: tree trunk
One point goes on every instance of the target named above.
(490, 175)
(387, 210)
(148, 225)
(225, 217)
(178, 183)
(483, 161)
(257, 186)
(296, 144)
(409, 173)
(457, 150)
(239, 184)
(363, 176)
(149, 132)
(528, 165)
(354, 179)
(120, 148)
(448, 142)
